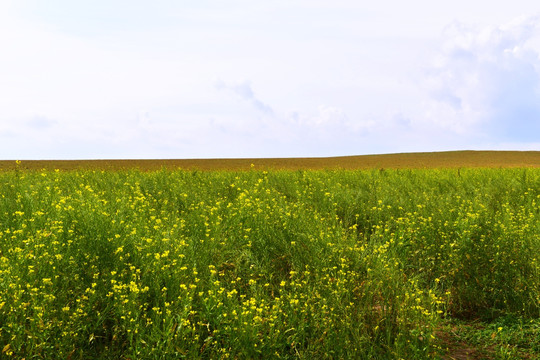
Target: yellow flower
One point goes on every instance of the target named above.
(7, 350)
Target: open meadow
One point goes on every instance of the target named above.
(270, 264)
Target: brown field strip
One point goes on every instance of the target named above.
(450, 159)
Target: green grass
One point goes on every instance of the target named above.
(507, 337)
(391, 264)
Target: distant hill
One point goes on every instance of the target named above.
(448, 159)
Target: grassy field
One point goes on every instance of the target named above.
(385, 264)
(451, 159)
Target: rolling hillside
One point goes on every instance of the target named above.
(450, 159)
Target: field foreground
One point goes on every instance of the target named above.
(367, 264)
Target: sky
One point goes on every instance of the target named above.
(109, 79)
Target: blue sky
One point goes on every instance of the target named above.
(212, 79)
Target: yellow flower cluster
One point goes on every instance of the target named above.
(279, 264)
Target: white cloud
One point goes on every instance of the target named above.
(486, 80)
(244, 91)
(40, 123)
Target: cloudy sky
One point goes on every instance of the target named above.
(281, 78)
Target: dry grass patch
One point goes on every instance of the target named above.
(450, 159)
